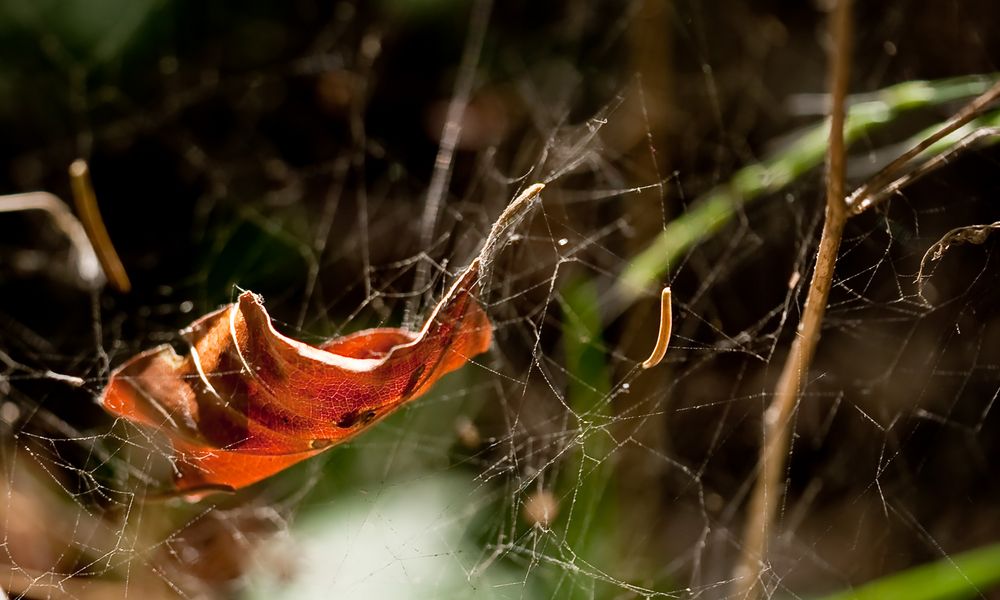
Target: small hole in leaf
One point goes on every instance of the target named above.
(352, 418)
(349, 419)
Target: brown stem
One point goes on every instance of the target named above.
(865, 196)
(90, 216)
(768, 490)
(858, 203)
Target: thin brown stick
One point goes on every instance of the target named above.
(768, 490)
(86, 205)
(875, 196)
(663, 338)
(862, 198)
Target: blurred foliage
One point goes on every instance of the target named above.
(94, 32)
(589, 520)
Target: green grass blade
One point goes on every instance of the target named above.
(966, 575)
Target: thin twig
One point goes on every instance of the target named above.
(875, 196)
(90, 215)
(861, 199)
(663, 338)
(768, 490)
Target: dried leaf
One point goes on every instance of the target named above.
(247, 401)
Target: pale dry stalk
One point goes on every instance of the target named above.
(768, 489)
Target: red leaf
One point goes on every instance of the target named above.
(247, 401)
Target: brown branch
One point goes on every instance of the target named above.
(90, 215)
(875, 188)
(663, 338)
(768, 490)
(876, 196)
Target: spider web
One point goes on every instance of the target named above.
(347, 160)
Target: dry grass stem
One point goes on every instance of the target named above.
(663, 338)
(768, 489)
(875, 197)
(86, 206)
(881, 185)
